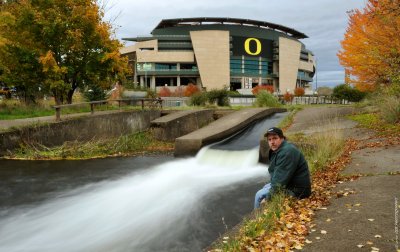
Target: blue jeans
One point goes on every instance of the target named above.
(261, 194)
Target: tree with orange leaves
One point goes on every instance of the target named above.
(371, 45)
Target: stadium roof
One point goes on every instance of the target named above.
(165, 23)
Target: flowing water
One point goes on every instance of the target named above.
(178, 205)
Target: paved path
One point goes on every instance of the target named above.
(365, 218)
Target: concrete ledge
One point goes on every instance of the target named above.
(169, 127)
(190, 144)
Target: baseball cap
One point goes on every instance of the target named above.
(274, 130)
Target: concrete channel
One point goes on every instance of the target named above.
(190, 144)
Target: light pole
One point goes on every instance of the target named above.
(316, 75)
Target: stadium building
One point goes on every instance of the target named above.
(221, 52)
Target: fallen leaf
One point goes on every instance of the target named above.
(370, 242)
(371, 219)
(298, 247)
(374, 249)
(280, 244)
(358, 204)
(308, 241)
(360, 245)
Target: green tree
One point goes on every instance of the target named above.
(347, 92)
(68, 43)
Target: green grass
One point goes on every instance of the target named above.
(288, 120)
(10, 110)
(16, 110)
(373, 121)
(319, 149)
(263, 223)
(141, 142)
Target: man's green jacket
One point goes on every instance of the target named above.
(289, 171)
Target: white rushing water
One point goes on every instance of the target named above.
(130, 213)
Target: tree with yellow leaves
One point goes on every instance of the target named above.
(371, 45)
(58, 46)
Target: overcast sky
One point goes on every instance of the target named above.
(323, 21)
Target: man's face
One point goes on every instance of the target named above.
(274, 141)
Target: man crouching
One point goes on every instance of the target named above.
(287, 167)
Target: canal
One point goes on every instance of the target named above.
(152, 203)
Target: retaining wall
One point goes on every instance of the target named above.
(172, 126)
(80, 129)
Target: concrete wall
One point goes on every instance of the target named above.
(80, 129)
(172, 126)
(165, 57)
(212, 55)
(289, 57)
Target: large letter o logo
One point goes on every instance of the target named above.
(247, 46)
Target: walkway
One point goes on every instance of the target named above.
(362, 216)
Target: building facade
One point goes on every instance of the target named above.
(216, 53)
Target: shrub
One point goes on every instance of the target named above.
(191, 89)
(219, 96)
(299, 91)
(94, 93)
(257, 89)
(179, 92)
(198, 99)
(151, 93)
(266, 99)
(347, 92)
(288, 97)
(164, 92)
(389, 103)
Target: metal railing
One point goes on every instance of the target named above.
(153, 103)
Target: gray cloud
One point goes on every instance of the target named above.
(324, 21)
